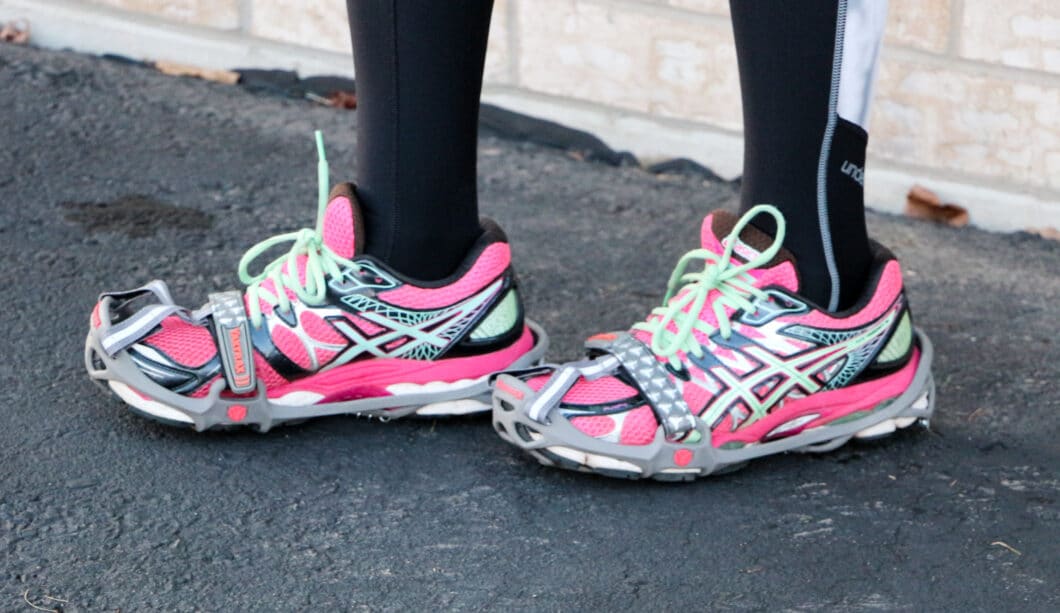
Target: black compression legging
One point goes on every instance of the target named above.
(419, 75)
(806, 70)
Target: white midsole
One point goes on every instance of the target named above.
(305, 398)
(593, 460)
(297, 399)
(464, 406)
(148, 406)
(886, 426)
(434, 386)
(461, 406)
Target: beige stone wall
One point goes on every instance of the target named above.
(211, 13)
(969, 90)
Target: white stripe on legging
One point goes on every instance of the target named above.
(822, 161)
(862, 33)
(859, 28)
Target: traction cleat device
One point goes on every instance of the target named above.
(735, 365)
(322, 330)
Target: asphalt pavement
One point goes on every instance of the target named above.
(112, 174)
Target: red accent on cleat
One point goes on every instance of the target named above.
(682, 457)
(605, 336)
(511, 391)
(237, 412)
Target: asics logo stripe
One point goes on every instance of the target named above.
(411, 334)
(794, 372)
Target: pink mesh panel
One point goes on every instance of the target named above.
(290, 345)
(490, 265)
(185, 343)
(324, 355)
(339, 227)
(639, 427)
(602, 390)
(696, 397)
(369, 328)
(320, 330)
(594, 425)
(265, 372)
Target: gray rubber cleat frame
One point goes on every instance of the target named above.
(558, 443)
(123, 378)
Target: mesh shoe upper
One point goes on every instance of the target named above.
(366, 312)
(783, 351)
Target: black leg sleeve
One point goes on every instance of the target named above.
(419, 76)
(800, 155)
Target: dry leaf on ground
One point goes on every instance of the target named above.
(338, 100)
(16, 32)
(1048, 232)
(922, 203)
(343, 100)
(183, 70)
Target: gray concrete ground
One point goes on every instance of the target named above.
(110, 512)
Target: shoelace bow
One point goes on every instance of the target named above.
(687, 293)
(283, 271)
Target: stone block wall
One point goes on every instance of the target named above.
(968, 100)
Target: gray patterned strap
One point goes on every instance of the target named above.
(115, 338)
(562, 380)
(645, 370)
(652, 379)
(233, 340)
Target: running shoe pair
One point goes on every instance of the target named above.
(735, 365)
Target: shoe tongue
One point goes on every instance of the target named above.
(343, 226)
(715, 234)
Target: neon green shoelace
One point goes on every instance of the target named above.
(320, 260)
(732, 283)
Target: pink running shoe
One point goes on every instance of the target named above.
(323, 330)
(736, 365)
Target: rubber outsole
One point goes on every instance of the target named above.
(147, 399)
(560, 444)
